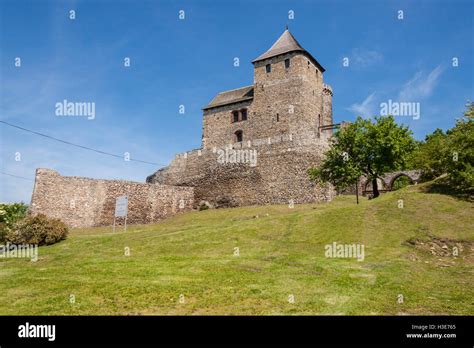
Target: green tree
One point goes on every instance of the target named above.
(449, 153)
(459, 159)
(365, 147)
(430, 155)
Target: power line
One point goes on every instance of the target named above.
(77, 145)
(16, 176)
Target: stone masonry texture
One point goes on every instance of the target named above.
(84, 202)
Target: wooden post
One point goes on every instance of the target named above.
(357, 190)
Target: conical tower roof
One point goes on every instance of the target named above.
(286, 43)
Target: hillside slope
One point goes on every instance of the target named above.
(408, 252)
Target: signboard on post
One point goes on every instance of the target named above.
(121, 209)
(121, 206)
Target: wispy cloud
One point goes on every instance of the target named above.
(364, 109)
(362, 57)
(420, 85)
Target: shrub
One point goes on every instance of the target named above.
(38, 229)
(203, 206)
(401, 182)
(9, 214)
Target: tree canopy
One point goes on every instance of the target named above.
(365, 147)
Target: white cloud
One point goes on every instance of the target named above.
(420, 86)
(364, 109)
(362, 57)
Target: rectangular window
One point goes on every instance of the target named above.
(287, 63)
(268, 68)
(235, 116)
(243, 112)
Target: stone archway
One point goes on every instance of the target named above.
(386, 181)
(413, 175)
(400, 176)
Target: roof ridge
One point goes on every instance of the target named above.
(235, 89)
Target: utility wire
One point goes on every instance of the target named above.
(16, 176)
(77, 145)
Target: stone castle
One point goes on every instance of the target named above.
(258, 142)
(283, 121)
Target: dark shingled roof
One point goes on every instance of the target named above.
(230, 97)
(285, 44)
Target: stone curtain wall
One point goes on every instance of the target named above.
(84, 202)
(279, 176)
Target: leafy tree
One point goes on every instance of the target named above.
(365, 147)
(449, 153)
(430, 155)
(459, 159)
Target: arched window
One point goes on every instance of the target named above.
(239, 136)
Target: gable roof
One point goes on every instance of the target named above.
(286, 43)
(231, 96)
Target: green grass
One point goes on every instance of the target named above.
(281, 254)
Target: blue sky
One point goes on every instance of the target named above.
(188, 61)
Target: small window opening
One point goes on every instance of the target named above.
(287, 63)
(235, 116)
(268, 68)
(243, 113)
(239, 136)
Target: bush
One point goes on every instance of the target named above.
(203, 206)
(38, 229)
(9, 214)
(401, 182)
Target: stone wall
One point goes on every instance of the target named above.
(278, 176)
(84, 202)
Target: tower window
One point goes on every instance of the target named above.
(268, 68)
(243, 114)
(278, 118)
(235, 116)
(287, 63)
(239, 136)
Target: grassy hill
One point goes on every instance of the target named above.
(408, 251)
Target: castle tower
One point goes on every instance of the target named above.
(289, 90)
(288, 97)
(278, 118)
